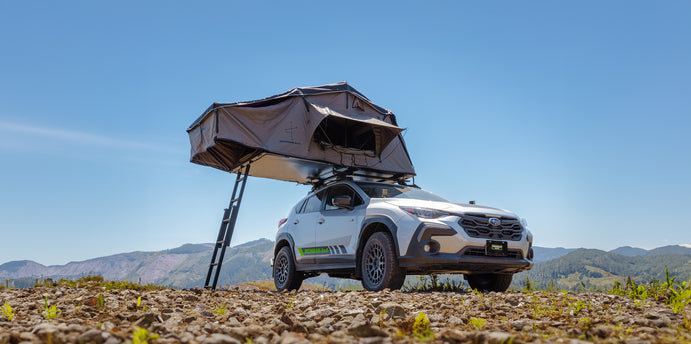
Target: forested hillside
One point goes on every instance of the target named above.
(598, 269)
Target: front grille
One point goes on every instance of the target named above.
(480, 252)
(478, 226)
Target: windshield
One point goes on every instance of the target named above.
(377, 190)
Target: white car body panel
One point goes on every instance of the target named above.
(323, 237)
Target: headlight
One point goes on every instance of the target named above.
(425, 213)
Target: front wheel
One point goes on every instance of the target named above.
(380, 265)
(285, 276)
(489, 282)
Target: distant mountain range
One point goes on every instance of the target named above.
(186, 266)
(182, 267)
(544, 254)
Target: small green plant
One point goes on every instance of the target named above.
(617, 289)
(585, 322)
(678, 299)
(635, 292)
(576, 308)
(50, 312)
(220, 310)
(478, 323)
(140, 304)
(96, 282)
(101, 302)
(669, 282)
(529, 286)
(289, 305)
(434, 281)
(421, 327)
(537, 307)
(248, 340)
(142, 336)
(479, 294)
(7, 310)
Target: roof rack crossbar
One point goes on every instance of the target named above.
(337, 174)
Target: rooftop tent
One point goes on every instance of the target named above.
(301, 136)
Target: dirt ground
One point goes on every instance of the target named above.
(95, 315)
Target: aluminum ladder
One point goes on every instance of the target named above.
(225, 233)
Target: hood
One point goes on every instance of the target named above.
(455, 208)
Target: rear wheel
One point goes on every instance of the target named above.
(380, 265)
(489, 282)
(285, 276)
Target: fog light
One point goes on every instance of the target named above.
(429, 247)
(530, 254)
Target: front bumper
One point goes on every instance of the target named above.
(452, 263)
(470, 259)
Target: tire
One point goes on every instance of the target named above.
(285, 276)
(490, 282)
(379, 264)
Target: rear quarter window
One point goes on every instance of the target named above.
(300, 208)
(313, 203)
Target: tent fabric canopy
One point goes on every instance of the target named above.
(300, 135)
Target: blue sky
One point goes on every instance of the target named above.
(575, 115)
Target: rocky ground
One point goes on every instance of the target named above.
(94, 315)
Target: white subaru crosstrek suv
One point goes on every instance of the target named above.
(380, 232)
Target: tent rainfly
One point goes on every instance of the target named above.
(302, 135)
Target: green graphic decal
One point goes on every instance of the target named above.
(340, 249)
(313, 250)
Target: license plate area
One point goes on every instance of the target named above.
(496, 248)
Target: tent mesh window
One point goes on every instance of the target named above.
(340, 133)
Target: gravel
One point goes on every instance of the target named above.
(228, 317)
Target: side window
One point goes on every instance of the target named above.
(314, 203)
(342, 190)
(301, 208)
(357, 200)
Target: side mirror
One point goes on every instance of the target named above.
(342, 201)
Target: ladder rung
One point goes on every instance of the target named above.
(220, 242)
(226, 220)
(241, 179)
(214, 264)
(235, 200)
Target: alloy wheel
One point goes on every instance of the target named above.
(282, 269)
(375, 264)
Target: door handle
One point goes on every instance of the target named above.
(296, 222)
(320, 221)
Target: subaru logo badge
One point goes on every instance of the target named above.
(495, 222)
